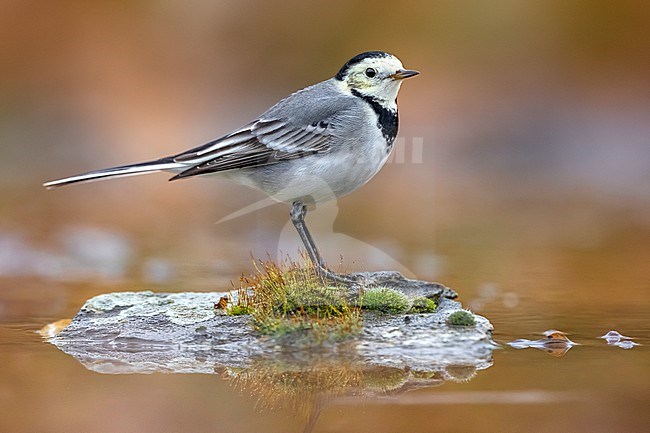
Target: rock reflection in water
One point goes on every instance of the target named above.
(306, 390)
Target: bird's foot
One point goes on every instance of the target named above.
(328, 275)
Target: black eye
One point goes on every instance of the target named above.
(370, 72)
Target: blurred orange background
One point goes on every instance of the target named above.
(534, 119)
(518, 103)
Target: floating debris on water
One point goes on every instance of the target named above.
(556, 343)
(613, 338)
(52, 329)
(625, 344)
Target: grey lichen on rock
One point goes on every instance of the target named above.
(179, 308)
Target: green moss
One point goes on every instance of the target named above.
(291, 300)
(461, 318)
(385, 300)
(309, 297)
(423, 305)
(288, 300)
(239, 310)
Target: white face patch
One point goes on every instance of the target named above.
(371, 77)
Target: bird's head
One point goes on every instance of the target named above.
(374, 74)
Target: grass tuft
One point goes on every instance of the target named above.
(288, 299)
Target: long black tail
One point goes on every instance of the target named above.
(121, 171)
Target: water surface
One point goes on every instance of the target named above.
(593, 387)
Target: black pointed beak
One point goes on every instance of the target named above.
(403, 73)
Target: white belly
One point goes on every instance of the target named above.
(320, 177)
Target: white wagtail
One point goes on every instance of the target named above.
(321, 142)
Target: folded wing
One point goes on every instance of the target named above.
(262, 142)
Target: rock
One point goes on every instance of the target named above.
(395, 280)
(144, 332)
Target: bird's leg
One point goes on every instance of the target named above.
(298, 213)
